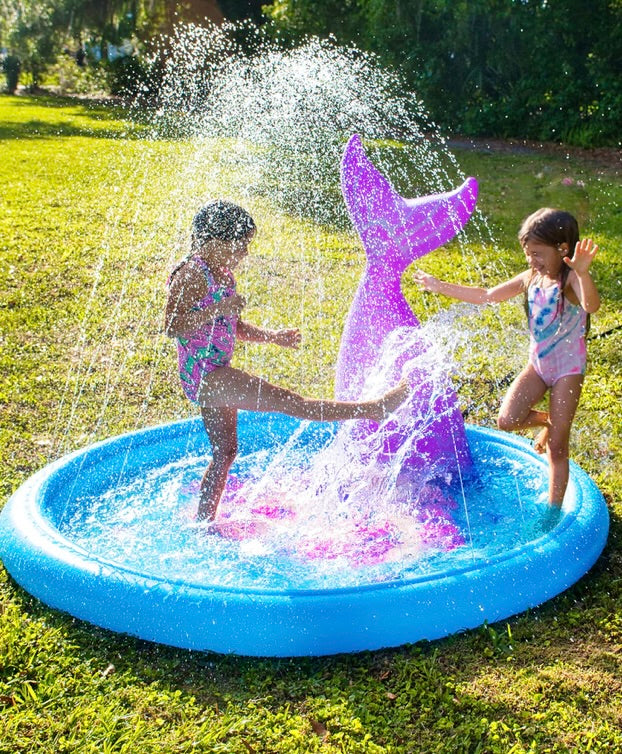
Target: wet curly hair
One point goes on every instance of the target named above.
(222, 220)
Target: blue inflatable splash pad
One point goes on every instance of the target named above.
(107, 534)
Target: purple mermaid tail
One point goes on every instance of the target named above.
(395, 232)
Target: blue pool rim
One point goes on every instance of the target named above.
(267, 622)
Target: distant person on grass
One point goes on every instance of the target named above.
(559, 295)
(11, 66)
(203, 313)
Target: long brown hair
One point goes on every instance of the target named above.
(553, 227)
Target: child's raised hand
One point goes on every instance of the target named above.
(288, 338)
(584, 253)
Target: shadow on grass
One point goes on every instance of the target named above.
(93, 118)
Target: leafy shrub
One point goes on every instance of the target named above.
(128, 76)
(69, 78)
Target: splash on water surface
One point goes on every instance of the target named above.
(329, 513)
(269, 535)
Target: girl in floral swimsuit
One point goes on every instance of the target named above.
(560, 294)
(207, 349)
(203, 313)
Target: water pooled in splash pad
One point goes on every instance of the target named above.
(321, 509)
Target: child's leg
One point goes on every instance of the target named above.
(233, 388)
(222, 430)
(517, 410)
(564, 400)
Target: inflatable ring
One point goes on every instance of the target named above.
(276, 621)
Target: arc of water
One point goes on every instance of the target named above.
(395, 232)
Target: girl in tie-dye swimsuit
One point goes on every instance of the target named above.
(557, 329)
(203, 313)
(560, 295)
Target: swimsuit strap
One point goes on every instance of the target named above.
(211, 282)
(178, 267)
(209, 275)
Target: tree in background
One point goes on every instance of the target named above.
(27, 32)
(542, 69)
(37, 31)
(106, 22)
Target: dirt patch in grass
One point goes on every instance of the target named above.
(602, 159)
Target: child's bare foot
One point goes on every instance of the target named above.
(541, 442)
(390, 401)
(549, 519)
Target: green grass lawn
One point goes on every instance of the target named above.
(89, 230)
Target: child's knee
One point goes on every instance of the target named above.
(558, 448)
(506, 422)
(225, 454)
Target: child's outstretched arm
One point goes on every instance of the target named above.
(288, 338)
(473, 294)
(581, 279)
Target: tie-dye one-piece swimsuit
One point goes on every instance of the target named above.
(211, 347)
(557, 328)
